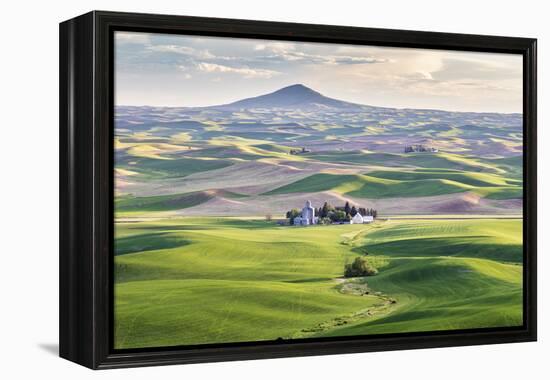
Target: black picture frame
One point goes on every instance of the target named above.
(86, 187)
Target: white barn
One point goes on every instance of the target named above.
(357, 219)
(360, 219)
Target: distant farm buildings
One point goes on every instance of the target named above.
(303, 150)
(330, 215)
(420, 148)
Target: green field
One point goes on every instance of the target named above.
(185, 281)
(405, 184)
(205, 252)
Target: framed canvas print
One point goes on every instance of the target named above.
(238, 189)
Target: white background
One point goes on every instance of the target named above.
(29, 188)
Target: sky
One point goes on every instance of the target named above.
(189, 71)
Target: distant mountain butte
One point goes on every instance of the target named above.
(297, 96)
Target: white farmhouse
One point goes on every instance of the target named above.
(357, 219)
(360, 219)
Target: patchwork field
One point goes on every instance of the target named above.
(210, 280)
(204, 252)
(228, 160)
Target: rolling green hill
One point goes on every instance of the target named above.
(432, 293)
(435, 265)
(218, 280)
(169, 202)
(388, 184)
(365, 186)
(411, 160)
(469, 178)
(152, 168)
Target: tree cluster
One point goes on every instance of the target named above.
(290, 215)
(367, 211)
(418, 148)
(330, 213)
(352, 210)
(299, 151)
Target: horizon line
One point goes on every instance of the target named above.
(311, 89)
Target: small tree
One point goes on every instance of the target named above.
(353, 211)
(337, 216)
(347, 208)
(268, 217)
(325, 210)
(325, 220)
(292, 214)
(359, 268)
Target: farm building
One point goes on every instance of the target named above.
(298, 221)
(360, 219)
(357, 219)
(307, 217)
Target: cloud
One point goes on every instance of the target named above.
(364, 74)
(132, 38)
(246, 72)
(270, 54)
(417, 76)
(288, 52)
(455, 69)
(350, 60)
(183, 50)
